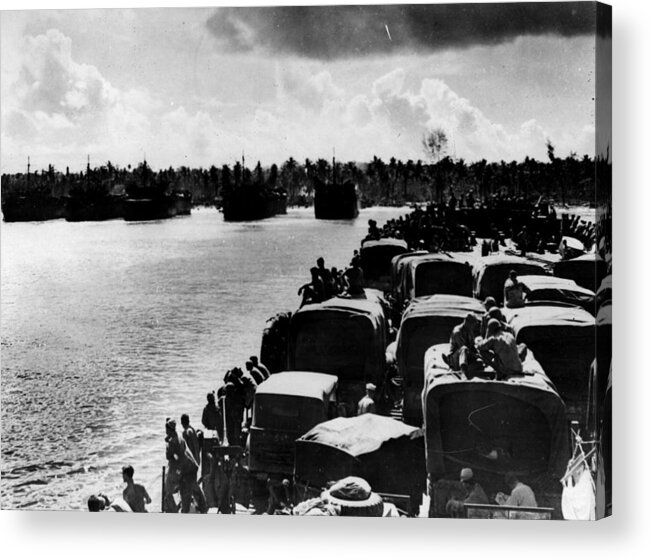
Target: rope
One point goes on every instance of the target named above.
(471, 423)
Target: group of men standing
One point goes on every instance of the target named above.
(183, 464)
(223, 413)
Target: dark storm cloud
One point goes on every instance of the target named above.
(328, 32)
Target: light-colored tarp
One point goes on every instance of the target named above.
(387, 453)
(491, 272)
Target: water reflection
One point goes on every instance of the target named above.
(107, 328)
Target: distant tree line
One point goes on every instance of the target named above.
(394, 182)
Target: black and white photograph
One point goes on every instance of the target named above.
(321, 260)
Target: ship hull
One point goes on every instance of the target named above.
(336, 202)
(244, 209)
(146, 209)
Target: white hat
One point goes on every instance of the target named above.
(466, 474)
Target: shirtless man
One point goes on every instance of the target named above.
(463, 354)
(134, 494)
(514, 291)
(367, 402)
(500, 350)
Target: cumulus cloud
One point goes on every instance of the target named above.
(63, 110)
(53, 83)
(55, 103)
(60, 108)
(312, 91)
(390, 120)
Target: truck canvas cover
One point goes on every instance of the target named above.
(490, 273)
(427, 321)
(518, 424)
(376, 257)
(436, 273)
(293, 400)
(370, 446)
(587, 270)
(563, 341)
(341, 336)
(562, 290)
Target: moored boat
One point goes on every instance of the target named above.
(157, 206)
(89, 208)
(183, 202)
(249, 202)
(335, 201)
(148, 200)
(31, 208)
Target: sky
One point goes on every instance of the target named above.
(202, 86)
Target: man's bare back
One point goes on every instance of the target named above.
(136, 496)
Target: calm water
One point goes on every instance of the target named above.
(107, 328)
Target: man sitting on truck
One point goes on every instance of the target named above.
(500, 350)
(355, 278)
(496, 313)
(521, 494)
(313, 291)
(489, 304)
(463, 353)
(514, 291)
(474, 494)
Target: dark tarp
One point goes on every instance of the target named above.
(384, 451)
(397, 264)
(376, 258)
(343, 337)
(435, 273)
(563, 340)
(587, 270)
(427, 321)
(494, 427)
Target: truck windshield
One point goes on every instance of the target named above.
(283, 412)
